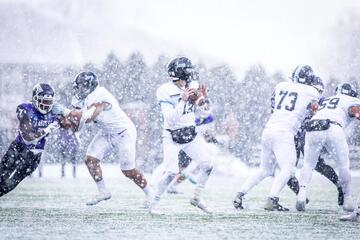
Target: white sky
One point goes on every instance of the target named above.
(279, 34)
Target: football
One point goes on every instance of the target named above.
(72, 121)
(197, 98)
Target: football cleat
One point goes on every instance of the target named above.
(353, 217)
(196, 202)
(238, 201)
(153, 207)
(102, 196)
(272, 204)
(300, 206)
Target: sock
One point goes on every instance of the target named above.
(101, 186)
(198, 191)
(146, 190)
(164, 183)
(279, 182)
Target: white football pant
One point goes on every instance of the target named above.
(334, 140)
(277, 148)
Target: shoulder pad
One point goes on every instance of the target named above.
(22, 111)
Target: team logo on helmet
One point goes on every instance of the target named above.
(43, 97)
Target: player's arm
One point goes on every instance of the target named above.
(26, 129)
(94, 110)
(313, 107)
(272, 101)
(354, 111)
(168, 108)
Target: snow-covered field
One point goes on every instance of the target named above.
(54, 208)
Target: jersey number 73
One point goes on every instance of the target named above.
(287, 100)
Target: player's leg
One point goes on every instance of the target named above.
(198, 151)
(285, 153)
(157, 174)
(299, 140)
(184, 161)
(329, 173)
(339, 149)
(265, 169)
(96, 150)
(124, 145)
(26, 163)
(63, 162)
(313, 144)
(7, 163)
(73, 162)
(170, 169)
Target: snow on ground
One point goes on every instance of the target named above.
(54, 208)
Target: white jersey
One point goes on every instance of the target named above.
(336, 108)
(291, 106)
(113, 119)
(177, 113)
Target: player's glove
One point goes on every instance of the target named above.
(59, 109)
(51, 127)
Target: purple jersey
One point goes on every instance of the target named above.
(27, 111)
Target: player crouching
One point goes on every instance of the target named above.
(37, 121)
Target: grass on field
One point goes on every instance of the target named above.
(52, 208)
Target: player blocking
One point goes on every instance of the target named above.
(36, 122)
(292, 101)
(325, 130)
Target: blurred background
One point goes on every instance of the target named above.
(241, 49)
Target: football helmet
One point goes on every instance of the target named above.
(303, 74)
(346, 89)
(43, 97)
(181, 68)
(83, 84)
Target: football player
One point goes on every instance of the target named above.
(292, 102)
(117, 133)
(178, 106)
(325, 129)
(36, 122)
(321, 166)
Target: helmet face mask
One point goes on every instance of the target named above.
(83, 84)
(181, 68)
(43, 97)
(318, 84)
(346, 89)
